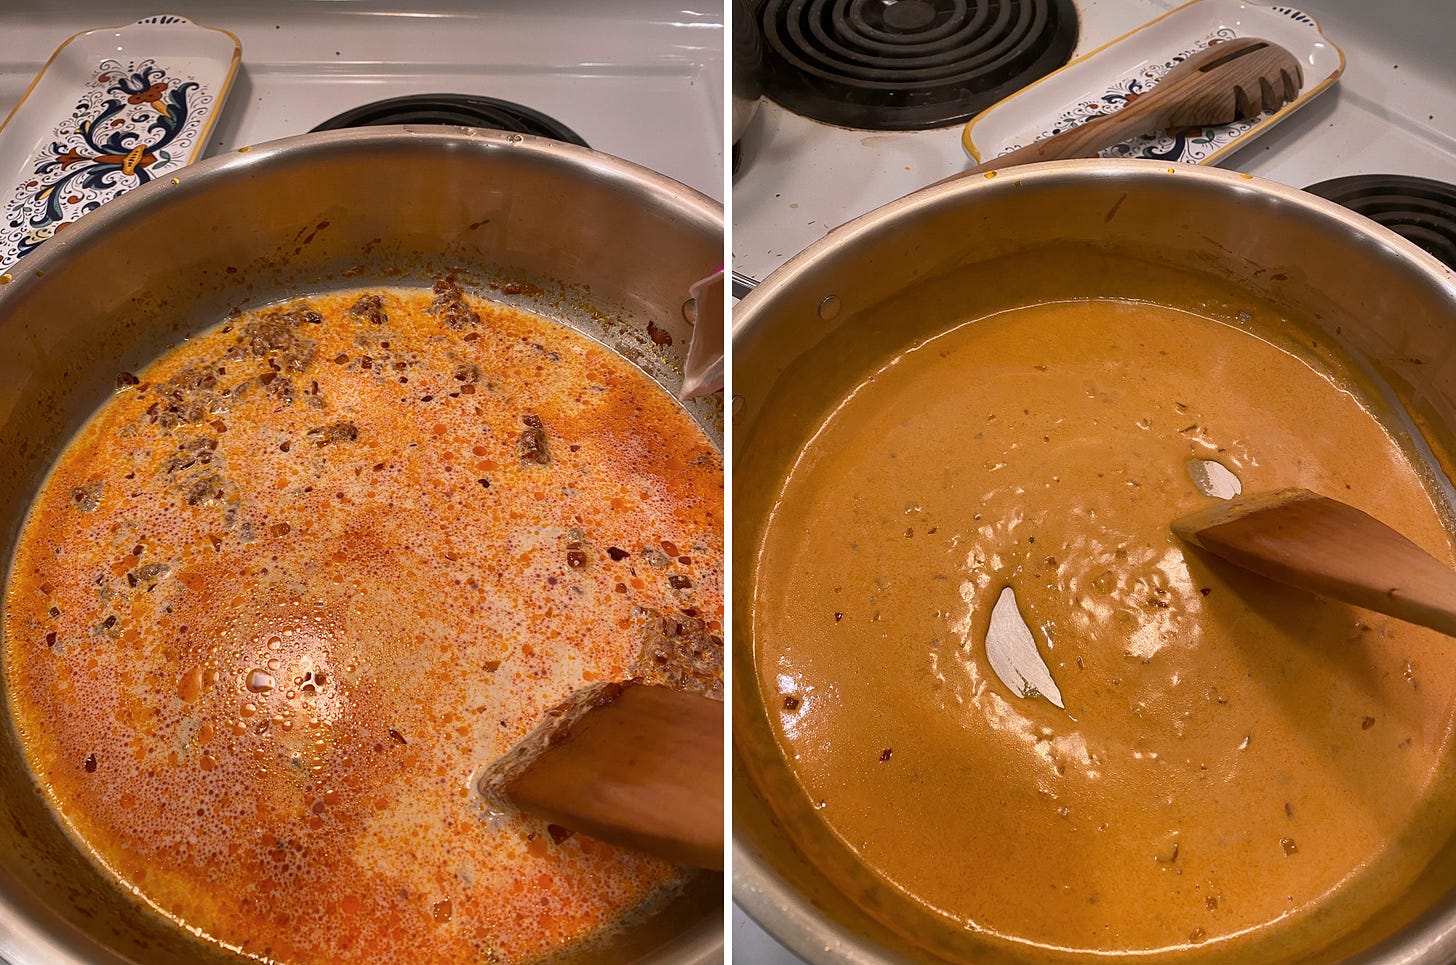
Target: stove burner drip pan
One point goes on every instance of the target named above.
(460, 110)
(1418, 209)
(900, 65)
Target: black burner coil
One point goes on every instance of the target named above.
(908, 64)
(461, 110)
(1418, 209)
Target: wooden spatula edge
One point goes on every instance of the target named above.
(634, 765)
(1331, 548)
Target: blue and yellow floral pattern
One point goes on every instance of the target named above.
(133, 122)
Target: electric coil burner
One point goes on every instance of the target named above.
(462, 110)
(1418, 209)
(900, 65)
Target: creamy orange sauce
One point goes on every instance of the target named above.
(1239, 766)
(297, 583)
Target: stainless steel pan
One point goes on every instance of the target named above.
(1218, 242)
(592, 241)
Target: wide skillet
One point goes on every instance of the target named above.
(1219, 244)
(589, 240)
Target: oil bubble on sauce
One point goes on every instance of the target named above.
(1214, 479)
(1012, 654)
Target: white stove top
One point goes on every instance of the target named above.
(1393, 112)
(641, 79)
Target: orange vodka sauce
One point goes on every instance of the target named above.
(1240, 770)
(304, 576)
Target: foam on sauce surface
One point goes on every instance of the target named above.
(1236, 761)
(279, 601)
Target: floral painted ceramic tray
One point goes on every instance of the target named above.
(114, 107)
(1115, 74)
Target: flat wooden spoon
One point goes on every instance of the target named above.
(1217, 85)
(631, 764)
(1330, 548)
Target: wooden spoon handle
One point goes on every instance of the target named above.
(1330, 548)
(635, 765)
(1084, 140)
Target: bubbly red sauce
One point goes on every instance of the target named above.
(304, 576)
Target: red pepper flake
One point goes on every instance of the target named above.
(617, 554)
(679, 582)
(575, 559)
(1367, 723)
(126, 379)
(511, 288)
(90, 764)
(491, 666)
(397, 737)
(280, 529)
(484, 483)
(838, 617)
(1206, 590)
(669, 547)
(51, 639)
(791, 702)
(284, 446)
(885, 754)
(558, 833)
